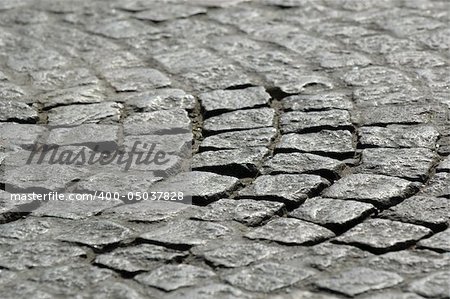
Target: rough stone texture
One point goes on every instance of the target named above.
(324, 101)
(332, 213)
(15, 111)
(360, 280)
(434, 285)
(235, 140)
(287, 188)
(136, 79)
(298, 122)
(290, 231)
(377, 189)
(438, 186)
(439, 241)
(160, 122)
(240, 120)
(16, 136)
(383, 235)
(386, 115)
(77, 115)
(444, 166)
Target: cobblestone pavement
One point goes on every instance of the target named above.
(320, 159)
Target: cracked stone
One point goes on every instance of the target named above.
(266, 277)
(159, 99)
(168, 12)
(187, 233)
(240, 120)
(332, 213)
(34, 254)
(287, 188)
(202, 186)
(439, 242)
(157, 122)
(432, 286)
(235, 140)
(172, 277)
(375, 75)
(143, 257)
(373, 188)
(186, 60)
(298, 122)
(10, 208)
(438, 186)
(247, 211)
(135, 79)
(427, 211)
(302, 163)
(235, 162)
(290, 231)
(359, 280)
(385, 115)
(398, 136)
(323, 101)
(82, 114)
(236, 254)
(228, 100)
(325, 142)
(17, 111)
(382, 235)
(413, 164)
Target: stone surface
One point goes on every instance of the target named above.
(235, 140)
(377, 189)
(84, 114)
(324, 101)
(439, 241)
(438, 186)
(240, 120)
(298, 122)
(15, 111)
(168, 12)
(382, 235)
(444, 166)
(136, 79)
(290, 231)
(332, 213)
(359, 280)
(386, 115)
(287, 188)
(157, 122)
(434, 285)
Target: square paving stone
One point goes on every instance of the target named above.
(433, 286)
(187, 233)
(58, 78)
(135, 79)
(395, 114)
(85, 135)
(398, 136)
(428, 211)
(413, 164)
(247, 211)
(108, 112)
(236, 254)
(359, 280)
(291, 231)
(299, 122)
(238, 139)
(439, 242)
(303, 163)
(172, 277)
(291, 189)
(438, 186)
(143, 257)
(379, 190)
(17, 111)
(227, 100)
(173, 121)
(186, 60)
(322, 101)
(240, 120)
(266, 277)
(89, 94)
(325, 142)
(236, 162)
(334, 214)
(385, 94)
(381, 235)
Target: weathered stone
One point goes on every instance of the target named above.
(325, 142)
(118, 29)
(382, 235)
(34, 254)
(376, 189)
(228, 100)
(383, 44)
(12, 92)
(444, 166)
(143, 257)
(323, 101)
(158, 99)
(49, 80)
(288, 188)
(434, 285)
(238, 139)
(427, 211)
(107, 112)
(266, 277)
(235, 162)
(290, 231)
(20, 136)
(438, 186)
(439, 241)
(303, 163)
(157, 122)
(410, 25)
(341, 59)
(386, 115)
(413, 164)
(136, 79)
(84, 135)
(247, 211)
(178, 144)
(35, 59)
(10, 208)
(167, 12)
(415, 59)
(332, 213)
(240, 120)
(212, 290)
(187, 233)
(359, 280)
(16, 111)
(375, 75)
(88, 94)
(304, 295)
(298, 122)
(398, 136)
(186, 60)
(292, 81)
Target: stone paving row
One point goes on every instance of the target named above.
(320, 157)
